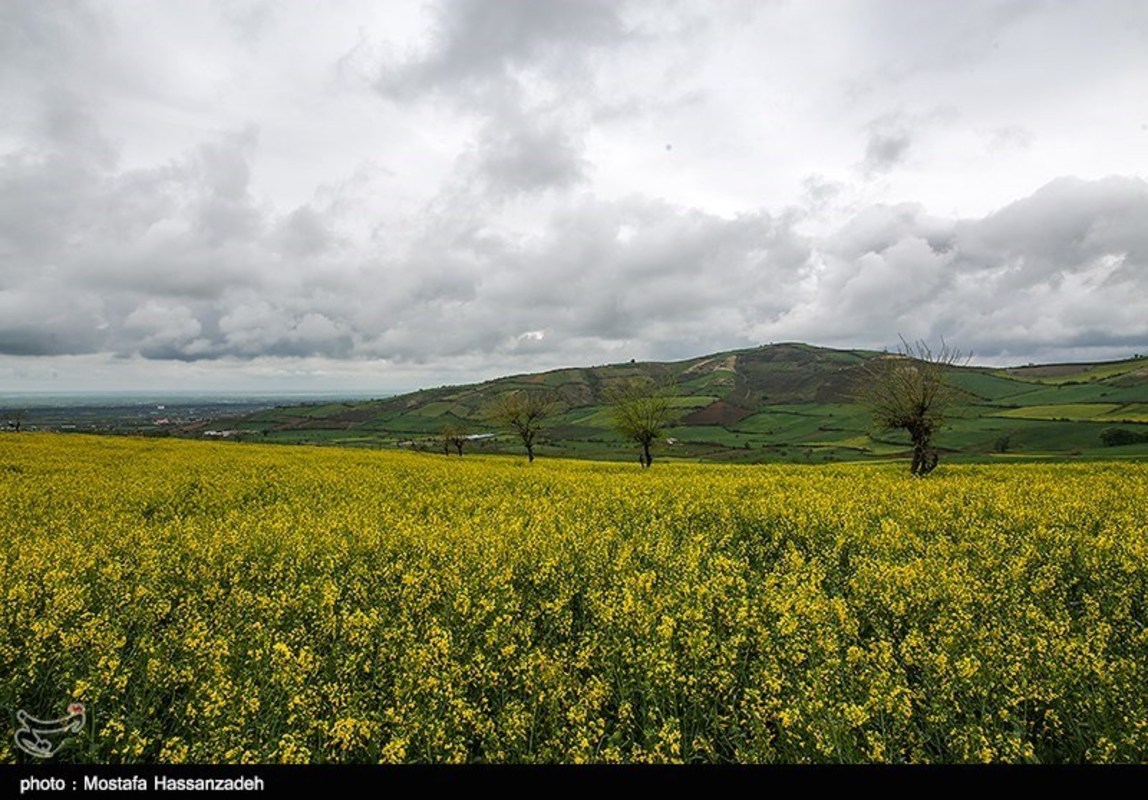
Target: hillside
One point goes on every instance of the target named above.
(783, 402)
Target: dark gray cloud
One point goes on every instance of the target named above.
(526, 73)
(478, 46)
(1068, 264)
(525, 155)
(1065, 227)
(47, 39)
(249, 19)
(890, 137)
(885, 150)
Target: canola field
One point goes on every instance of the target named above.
(215, 602)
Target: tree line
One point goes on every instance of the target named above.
(640, 411)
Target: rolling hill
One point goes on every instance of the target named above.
(782, 402)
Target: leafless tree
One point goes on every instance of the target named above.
(908, 391)
(641, 410)
(523, 411)
(452, 436)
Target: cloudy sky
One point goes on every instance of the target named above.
(386, 194)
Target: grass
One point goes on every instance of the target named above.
(1062, 411)
(987, 386)
(1131, 412)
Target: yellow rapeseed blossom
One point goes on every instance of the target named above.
(212, 602)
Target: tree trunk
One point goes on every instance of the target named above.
(646, 452)
(530, 453)
(925, 456)
(931, 459)
(458, 445)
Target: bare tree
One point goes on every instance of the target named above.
(452, 436)
(641, 410)
(17, 419)
(523, 411)
(908, 391)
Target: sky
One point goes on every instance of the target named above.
(388, 195)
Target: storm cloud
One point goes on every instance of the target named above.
(453, 191)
